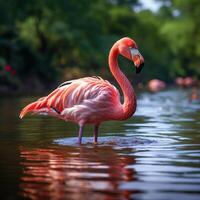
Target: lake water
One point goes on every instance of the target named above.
(154, 155)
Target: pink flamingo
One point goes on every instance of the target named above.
(189, 82)
(179, 81)
(186, 82)
(156, 85)
(92, 100)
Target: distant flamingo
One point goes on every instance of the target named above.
(189, 82)
(186, 82)
(92, 100)
(156, 85)
(179, 81)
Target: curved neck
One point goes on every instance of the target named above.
(129, 105)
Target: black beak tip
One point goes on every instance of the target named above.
(139, 69)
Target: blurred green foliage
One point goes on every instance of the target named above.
(46, 40)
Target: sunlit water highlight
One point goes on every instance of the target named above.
(153, 155)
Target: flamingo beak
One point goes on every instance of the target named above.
(137, 59)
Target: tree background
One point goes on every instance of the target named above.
(44, 42)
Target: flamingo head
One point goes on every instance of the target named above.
(128, 48)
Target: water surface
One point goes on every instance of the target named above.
(153, 155)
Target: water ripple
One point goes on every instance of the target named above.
(106, 141)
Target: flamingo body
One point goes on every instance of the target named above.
(186, 82)
(83, 101)
(156, 85)
(92, 99)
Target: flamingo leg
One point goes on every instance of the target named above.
(80, 134)
(96, 130)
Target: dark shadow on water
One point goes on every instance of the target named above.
(76, 173)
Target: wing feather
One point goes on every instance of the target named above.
(78, 99)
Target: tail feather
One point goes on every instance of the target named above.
(32, 107)
(52, 104)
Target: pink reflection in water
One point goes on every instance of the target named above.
(75, 173)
